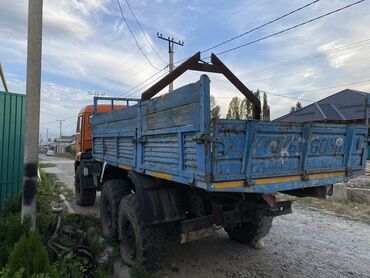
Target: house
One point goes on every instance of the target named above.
(345, 106)
(62, 145)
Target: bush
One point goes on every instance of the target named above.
(13, 205)
(30, 253)
(10, 233)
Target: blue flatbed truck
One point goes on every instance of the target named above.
(166, 170)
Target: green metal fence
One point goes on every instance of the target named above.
(12, 108)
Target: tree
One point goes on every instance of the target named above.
(265, 108)
(297, 107)
(243, 109)
(215, 110)
(234, 109)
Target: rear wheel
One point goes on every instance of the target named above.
(251, 232)
(111, 195)
(84, 196)
(139, 243)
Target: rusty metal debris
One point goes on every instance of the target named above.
(78, 251)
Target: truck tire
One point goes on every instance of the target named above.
(84, 196)
(139, 243)
(252, 231)
(111, 195)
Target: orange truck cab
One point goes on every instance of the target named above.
(83, 128)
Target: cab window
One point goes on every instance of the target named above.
(79, 124)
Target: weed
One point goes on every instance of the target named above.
(138, 271)
(47, 165)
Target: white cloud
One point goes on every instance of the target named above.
(87, 46)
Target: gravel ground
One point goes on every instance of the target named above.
(303, 244)
(307, 243)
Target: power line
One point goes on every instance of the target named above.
(289, 29)
(142, 30)
(254, 79)
(132, 34)
(327, 88)
(150, 83)
(322, 67)
(266, 37)
(274, 94)
(66, 119)
(125, 94)
(261, 26)
(345, 50)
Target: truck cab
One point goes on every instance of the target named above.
(85, 195)
(83, 128)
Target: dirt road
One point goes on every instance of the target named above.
(303, 244)
(64, 170)
(306, 243)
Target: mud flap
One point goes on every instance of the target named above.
(159, 202)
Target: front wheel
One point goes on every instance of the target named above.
(140, 243)
(250, 232)
(111, 195)
(84, 196)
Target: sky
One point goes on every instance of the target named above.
(88, 48)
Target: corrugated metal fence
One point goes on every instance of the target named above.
(12, 108)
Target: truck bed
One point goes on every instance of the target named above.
(172, 137)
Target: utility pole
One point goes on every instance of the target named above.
(171, 43)
(47, 136)
(60, 134)
(96, 94)
(32, 128)
(3, 79)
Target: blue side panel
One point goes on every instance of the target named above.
(249, 150)
(158, 135)
(171, 137)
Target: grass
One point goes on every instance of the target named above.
(47, 165)
(48, 191)
(66, 155)
(351, 208)
(138, 271)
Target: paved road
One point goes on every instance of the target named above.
(65, 172)
(306, 243)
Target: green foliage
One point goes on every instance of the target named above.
(265, 108)
(215, 110)
(31, 254)
(13, 205)
(138, 271)
(242, 109)
(69, 267)
(45, 218)
(10, 232)
(46, 165)
(234, 109)
(297, 107)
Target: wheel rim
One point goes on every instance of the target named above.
(129, 241)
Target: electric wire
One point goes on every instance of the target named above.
(261, 26)
(327, 88)
(133, 36)
(125, 94)
(142, 30)
(344, 50)
(290, 28)
(266, 37)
